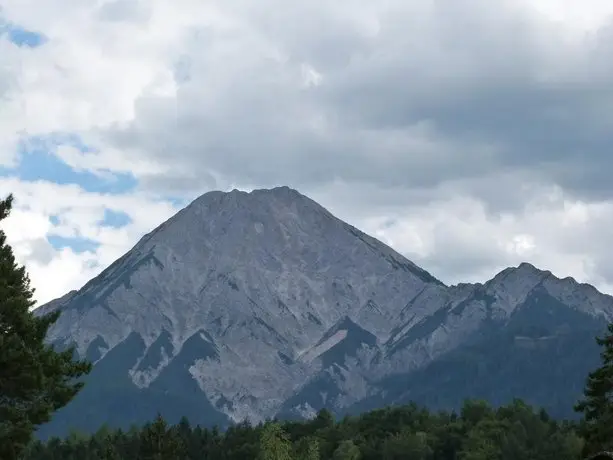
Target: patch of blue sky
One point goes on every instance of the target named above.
(39, 162)
(115, 219)
(77, 244)
(20, 36)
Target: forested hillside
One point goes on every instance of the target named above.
(478, 431)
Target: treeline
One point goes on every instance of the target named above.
(477, 432)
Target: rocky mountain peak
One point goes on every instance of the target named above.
(231, 220)
(263, 302)
(264, 275)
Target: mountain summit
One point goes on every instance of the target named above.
(261, 304)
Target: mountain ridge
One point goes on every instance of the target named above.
(284, 308)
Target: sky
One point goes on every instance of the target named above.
(470, 135)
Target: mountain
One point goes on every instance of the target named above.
(262, 304)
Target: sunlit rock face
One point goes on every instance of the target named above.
(262, 304)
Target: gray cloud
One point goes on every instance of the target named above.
(124, 10)
(443, 91)
(41, 251)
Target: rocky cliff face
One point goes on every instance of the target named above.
(252, 305)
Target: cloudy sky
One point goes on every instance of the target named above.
(468, 134)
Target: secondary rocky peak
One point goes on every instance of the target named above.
(514, 284)
(523, 269)
(517, 281)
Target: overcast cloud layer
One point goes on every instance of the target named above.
(468, 134)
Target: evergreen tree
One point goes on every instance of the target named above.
(160, 442)
(274, 443)
(597, 404)
(307, 448)
(35, 380)
(347, 450)
(109, 451)
(324, 419)
(406, 445)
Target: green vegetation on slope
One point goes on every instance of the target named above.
(478, 431)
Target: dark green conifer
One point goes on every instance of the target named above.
(597, 403)
(35, 380)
